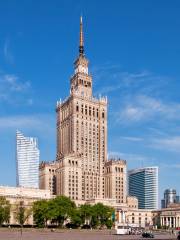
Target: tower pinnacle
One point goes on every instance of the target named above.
(81, 40)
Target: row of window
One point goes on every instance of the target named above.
(90, 111)
(140, 214)
(133, 220)
(82, 82)
(73, 162)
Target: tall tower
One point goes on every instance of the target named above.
(169, 197)
(81, 135)
(143, 184)
(27, 161)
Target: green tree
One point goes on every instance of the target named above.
(22, 213)
(86, 213)
(102, 215)
(41, 213)
(61, 208)
(76, 219)
(4, 210)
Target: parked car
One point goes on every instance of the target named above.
(147, 235)
(86, 226)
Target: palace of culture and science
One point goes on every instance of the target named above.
(81, 170)
(81, 136)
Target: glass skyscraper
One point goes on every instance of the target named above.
(170, 197)
(27, 161)
(143, 184)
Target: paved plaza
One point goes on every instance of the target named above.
(32, 234)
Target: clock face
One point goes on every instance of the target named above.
(81, 69)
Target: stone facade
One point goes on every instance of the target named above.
(139, 218)
(69, 177)
(115, 180)
(168, 217)
(17, 195)
(82, 135)
(128, 213)
(47, 176)
(125, 213)
(132, 202)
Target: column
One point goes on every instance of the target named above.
(174, 222)
(165, 221)
(161, 221)
(169, 218)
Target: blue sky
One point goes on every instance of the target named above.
(134, 53)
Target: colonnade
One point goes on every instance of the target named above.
(170, 221)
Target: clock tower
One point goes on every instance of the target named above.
(81, 81)
(81, 136)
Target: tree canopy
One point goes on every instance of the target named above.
(61, 210)
(22, 213)
(4, 210)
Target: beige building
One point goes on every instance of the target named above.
(69, 177)
(47, 176)
(82, 135)
(17, 195)
(132, 202)
(83, 171)
(115, 180)
(126, 213)
(168, 217)
(139, 218)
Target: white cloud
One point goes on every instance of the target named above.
(13, 90)
(19, 121)
(167, 144)
(145, 108)
(40, 122)
(13, 83)
(175, 166)
(121, 80)
(115, 79)
(138, 159)
(133, 139)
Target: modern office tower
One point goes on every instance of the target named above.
(115, 180)
(47, 176)
(143, 184)
(177, 199)
(81, 135)
(169, 198)
(27, 161)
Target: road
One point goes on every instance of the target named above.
(33, 234)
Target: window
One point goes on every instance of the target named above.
(82, 108)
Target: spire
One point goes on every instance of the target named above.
(81, 40)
